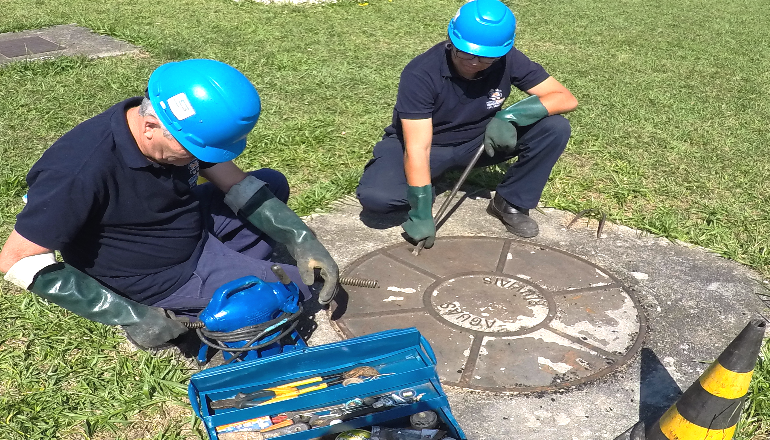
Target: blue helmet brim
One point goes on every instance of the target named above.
(482, 51)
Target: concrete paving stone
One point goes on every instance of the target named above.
(693, 301)
(61, 40)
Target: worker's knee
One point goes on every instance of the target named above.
(377, 200)
(557, 126)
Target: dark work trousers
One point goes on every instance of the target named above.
(383, 186)
(234, 249)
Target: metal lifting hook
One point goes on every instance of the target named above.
(585, 212)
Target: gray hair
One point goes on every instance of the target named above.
(145, 109)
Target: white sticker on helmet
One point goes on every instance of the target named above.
(180, 106)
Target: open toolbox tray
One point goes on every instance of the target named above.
(403, 358)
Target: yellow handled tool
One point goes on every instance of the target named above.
(276, 394)
(291, 390)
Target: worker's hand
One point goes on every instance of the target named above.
(251, 199)
(311, 255)
(501, 131)
(155, 329)
(84, 296)
(501, 136)
(420, 225)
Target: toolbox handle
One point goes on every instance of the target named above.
(427, 348)
(192, 393)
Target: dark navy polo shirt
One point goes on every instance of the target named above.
(130, 223)
(430, 87)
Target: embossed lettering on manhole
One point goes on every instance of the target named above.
(500, 314)
(501, 305)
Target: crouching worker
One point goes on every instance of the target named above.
(450, 102)
(117, 197)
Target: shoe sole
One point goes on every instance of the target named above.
(493, 212)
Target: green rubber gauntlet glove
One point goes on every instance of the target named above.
(275, 219)
(82, 295)
(525, 112)
(500, 135)
(420, 225)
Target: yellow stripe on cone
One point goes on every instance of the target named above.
(711, 407)
(721, 382)
(676, 427)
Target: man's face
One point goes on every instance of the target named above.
(170, 151)
(469, 65)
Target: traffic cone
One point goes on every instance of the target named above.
(711, 407)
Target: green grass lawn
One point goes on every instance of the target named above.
(669, 137)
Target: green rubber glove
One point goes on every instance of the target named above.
(82, 295)
(525, 112)
(283, 225)
(500, 134)
(420, 225)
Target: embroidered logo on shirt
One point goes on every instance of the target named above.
(193, 167)
(496, 99)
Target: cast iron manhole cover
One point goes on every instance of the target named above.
(27, 46)
(500, 314)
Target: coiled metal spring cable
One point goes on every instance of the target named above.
(276, 329)
(359, 282)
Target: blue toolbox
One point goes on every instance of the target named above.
(309, 381)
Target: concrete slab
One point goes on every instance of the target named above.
(695, 303)
(55, 41)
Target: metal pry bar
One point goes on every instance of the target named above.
(457, 186)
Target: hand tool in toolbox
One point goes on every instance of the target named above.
(324, 416)
(293, 389)
(317, 417)
(261, 435)
(380, 433)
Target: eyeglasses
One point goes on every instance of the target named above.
(469, 56)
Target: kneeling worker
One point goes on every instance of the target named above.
(118, 197)
(449, 102)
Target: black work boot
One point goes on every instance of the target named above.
(516, 220)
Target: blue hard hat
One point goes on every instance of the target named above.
(208, 106)
(485, 28)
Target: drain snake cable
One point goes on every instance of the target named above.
(251, 334)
